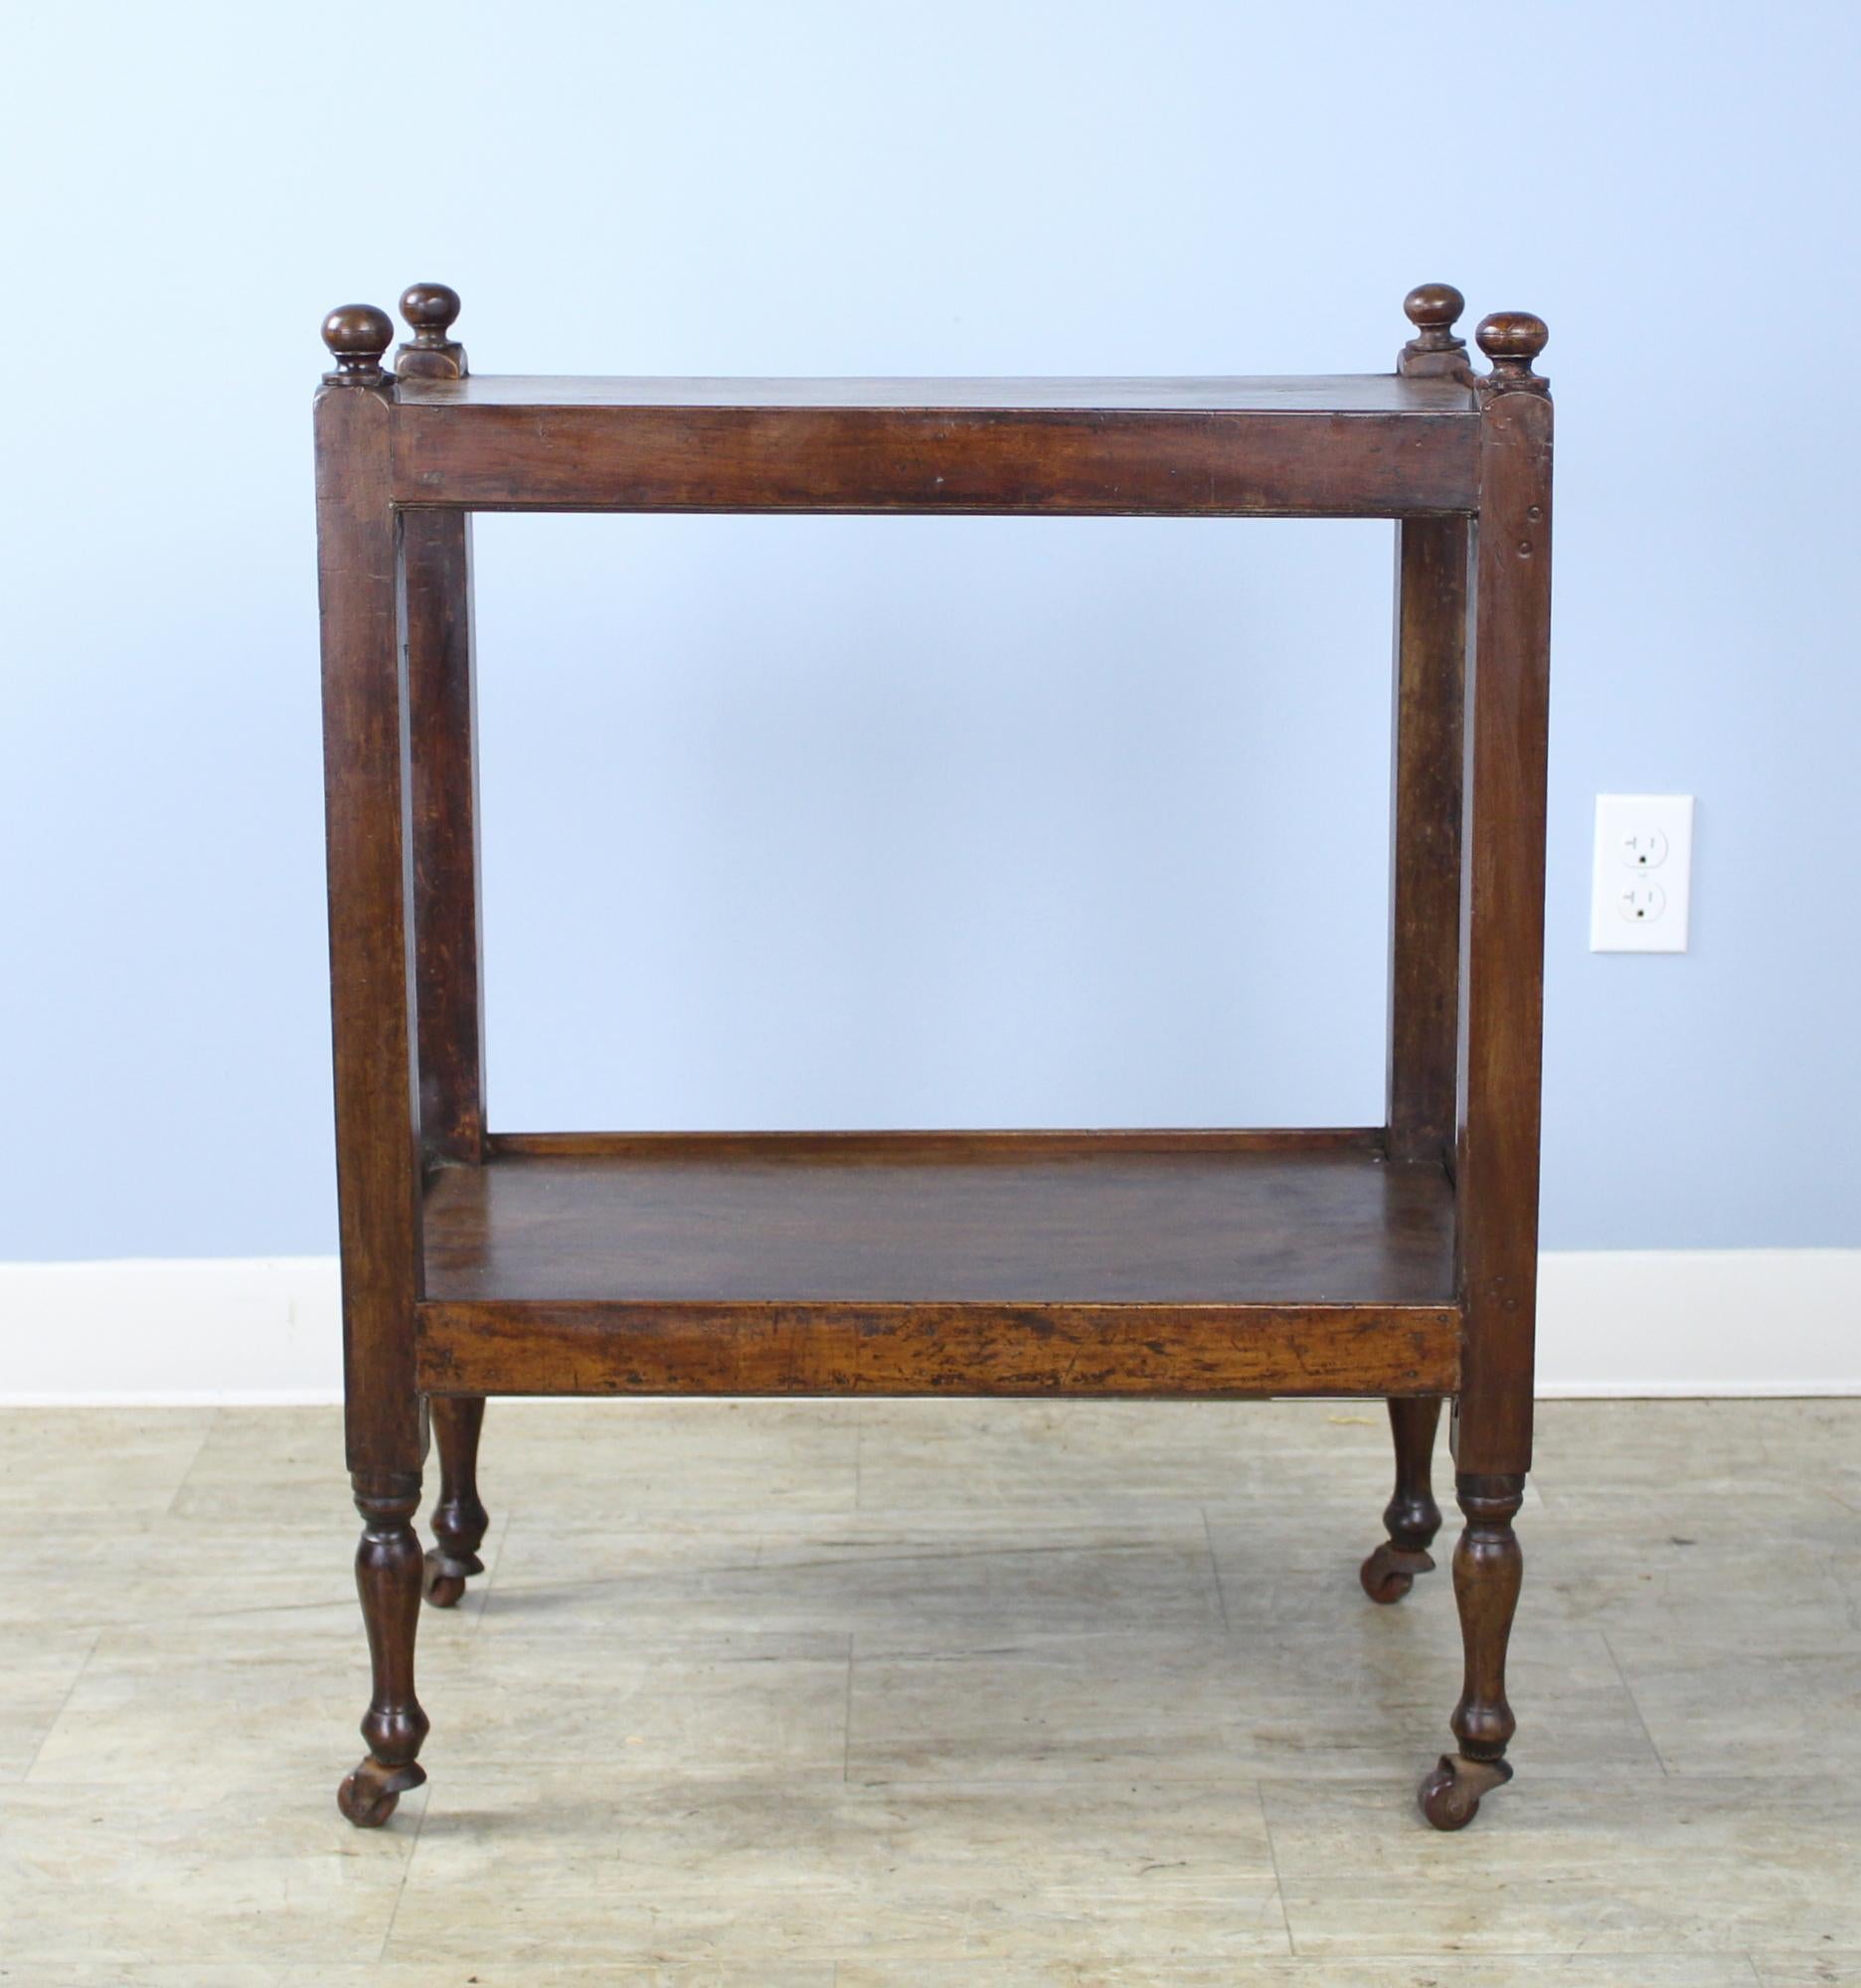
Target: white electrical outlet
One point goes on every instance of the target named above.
(1641, 873)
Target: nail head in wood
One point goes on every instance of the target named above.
(356, 336)
(430, 354)
(1512, 340)
(1433, 308)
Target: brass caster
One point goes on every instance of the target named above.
(443, 1578)
(1450, 1790)
(1390, 1572)
(369, 1795)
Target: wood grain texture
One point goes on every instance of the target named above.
(1412, 1518)
(1488, 1568)
(1395, 1262)
(372, 997)
(436, 549)
(459, 1518)
(388, 1585)
(1434, 352)
(942, 1219)
(1120, 462)
(1157, 1351)
(1501, 992)
(1332, 392)
(1425, 834)
(1067, 1142)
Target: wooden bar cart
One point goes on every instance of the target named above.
(1398, 1260)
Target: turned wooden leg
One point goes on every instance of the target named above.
(387, 1579)
(458, 1520)
(1412, 1518)
(1487, 1567)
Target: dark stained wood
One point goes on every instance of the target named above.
(459, 1518)
(1450, 1790)
(504, 1346)
(996, 447)
(357, 335)
(1487, 1570)
(1502, 912)
(1512, 340)
(940, 1220)
(1069, 1143)
(387, 1582)
(441, 695)
(432, 353)
(378, 1170)
(1425, 743)
(437, 547)
(1500, 1038)
(1411, 1517)
(366, 798)
(1395, 1261)
(918, 1262)
(1425, 835)
(1383, 394)
(1434, 352)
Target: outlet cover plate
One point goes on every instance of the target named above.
(1641, 873)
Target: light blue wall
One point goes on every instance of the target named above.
(945, 821)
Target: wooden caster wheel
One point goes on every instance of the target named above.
(372, 1793)
(1450, 1790)
(365, 1810)
(1389, 1573)
(443, 1579)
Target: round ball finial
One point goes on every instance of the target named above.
(1434, 352)
(431, 309)
(356, 336)
(432, 353)
(1512, 335)
(1512, 340)
(1434, 307)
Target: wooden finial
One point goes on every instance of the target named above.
(1432, 308)
(1512, 340)
(430, 353)
(357, 335)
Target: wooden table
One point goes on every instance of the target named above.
(1398, 1260)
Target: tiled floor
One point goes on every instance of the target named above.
(931, 1693)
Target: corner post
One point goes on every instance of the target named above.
(378, 1168)
(1424, 780)
(442, 700)
(1429, 680)
(1501, 991)
(1501, 1006)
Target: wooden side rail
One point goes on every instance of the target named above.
(1137, 462)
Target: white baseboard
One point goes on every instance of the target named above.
(171, 1331)
(264, 1330)
(1641, 1322)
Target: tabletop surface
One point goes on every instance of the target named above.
(1332, 394)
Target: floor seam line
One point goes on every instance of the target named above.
(1661, 1758)
(52, 1724)
(846, 1721)
(1273, 1851)
(213, 1423)
(1221, 1593)
(407, 1873)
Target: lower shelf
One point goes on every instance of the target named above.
(962, 1262)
